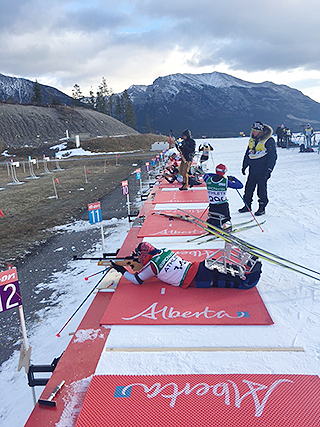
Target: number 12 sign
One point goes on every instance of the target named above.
(9, 290)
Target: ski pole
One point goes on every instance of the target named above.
(74, 313)
(250, 211)
(94, 274)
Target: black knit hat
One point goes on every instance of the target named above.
(186, 133)
(258, 126)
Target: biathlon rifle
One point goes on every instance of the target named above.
(107, 259)
(108, 255)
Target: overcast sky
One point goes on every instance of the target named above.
(67, 42)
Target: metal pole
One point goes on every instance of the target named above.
(102, 235)
(23, 328)
(128, 203)
(54, 187)
(25, 343)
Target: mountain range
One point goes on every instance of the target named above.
(219, 105)
(210, 104)
(19, 90)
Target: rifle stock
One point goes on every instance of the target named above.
(110, 255)
(125, 262)
(106, 261)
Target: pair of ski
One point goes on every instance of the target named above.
(245, 246)
(242, 226)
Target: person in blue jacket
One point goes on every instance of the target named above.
(260, 157)
(217, 185)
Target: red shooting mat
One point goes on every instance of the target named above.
(188, 196)
(229, 400)
(156, 303)
(156, 225)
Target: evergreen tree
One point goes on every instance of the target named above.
(118, 110)
(92, 101)
(101, 102)
(77, 95)
(110, 106)
(129, 113)
(148, 125)
(103, 95)
(37, 97)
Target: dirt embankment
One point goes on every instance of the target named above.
(31, 125)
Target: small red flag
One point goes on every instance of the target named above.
(1, 214)
(56, 179)
(88, 171)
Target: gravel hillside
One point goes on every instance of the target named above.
(30, 125)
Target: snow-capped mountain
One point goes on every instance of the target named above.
(210, 104)
(217, 104)
(19, 90)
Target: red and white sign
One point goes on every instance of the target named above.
(94, 206)
(9, 290)
(125, 188)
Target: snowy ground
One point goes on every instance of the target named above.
(293, 301)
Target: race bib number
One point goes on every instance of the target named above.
(216, 197)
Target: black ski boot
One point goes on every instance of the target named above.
(243, 210)
(260, 211)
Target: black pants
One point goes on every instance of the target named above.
(223, 210)
(260, 181)
(206, 278)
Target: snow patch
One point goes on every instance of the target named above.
(87, 334)
(73, 400)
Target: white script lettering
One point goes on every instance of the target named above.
(171, 313)
(171, 391)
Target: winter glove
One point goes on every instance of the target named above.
(268, 174)
(231, 178)
(243, 171)
(118, 268)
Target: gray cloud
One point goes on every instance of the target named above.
(78, 41)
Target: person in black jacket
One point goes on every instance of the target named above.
(279, 133)
(260, 157)
(186, 149)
